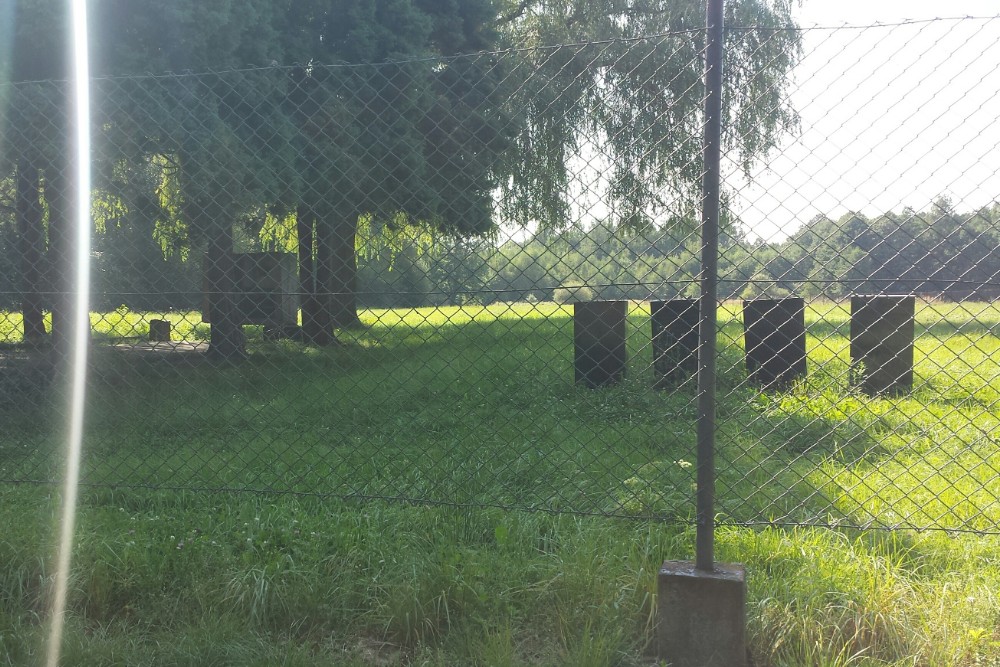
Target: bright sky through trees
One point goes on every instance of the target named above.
(891, 117)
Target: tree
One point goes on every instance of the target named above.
(34, 119)
(628, 86)
(409, 136)
(430, 155)
(411, 112)
(221, 142)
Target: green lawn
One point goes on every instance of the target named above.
(311, 551)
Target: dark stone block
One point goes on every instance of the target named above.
(599, 341)
(675, 342)
(266, 289)
(882, 329)
(159, 331)
(775, 337)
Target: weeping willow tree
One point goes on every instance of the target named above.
(201, 151)
(618, 84)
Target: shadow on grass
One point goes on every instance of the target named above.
(478, 413)
(776, 454)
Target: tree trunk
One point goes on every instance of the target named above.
(313, 312)
(62, 259)
(331, 300)
(227, 341)
(322, 320)
(342, 278)
(31, 248)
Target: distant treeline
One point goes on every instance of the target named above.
(938, 252)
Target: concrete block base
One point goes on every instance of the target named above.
(702, 615)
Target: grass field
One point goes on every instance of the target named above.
(307, 551)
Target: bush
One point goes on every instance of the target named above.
(572, 292)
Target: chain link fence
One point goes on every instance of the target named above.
(471, 280)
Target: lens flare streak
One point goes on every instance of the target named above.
(81, 323)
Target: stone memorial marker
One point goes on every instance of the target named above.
(882, 329)
(266, 289)
(775, 337)
(675, 342)
(159, 331)
(599, 342)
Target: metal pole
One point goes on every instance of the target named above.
(705, 537)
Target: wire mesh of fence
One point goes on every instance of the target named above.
(472, 280)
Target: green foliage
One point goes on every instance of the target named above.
(429, 123)
(572, 292)
(938, 251)
(448, 123)
(412, 265)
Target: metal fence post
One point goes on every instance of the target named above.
(705, 539)
(703, 609)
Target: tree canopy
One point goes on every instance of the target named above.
(628, 86)
(449, 114)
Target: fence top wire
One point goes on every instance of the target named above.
(275, 66)
(513, 50)
(865, 26)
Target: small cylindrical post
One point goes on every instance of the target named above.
(775, 336)
(599, 342)
(675, 342)
(882, 329)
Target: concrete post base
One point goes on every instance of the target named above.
(702, 615)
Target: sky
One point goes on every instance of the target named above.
(891, 116)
